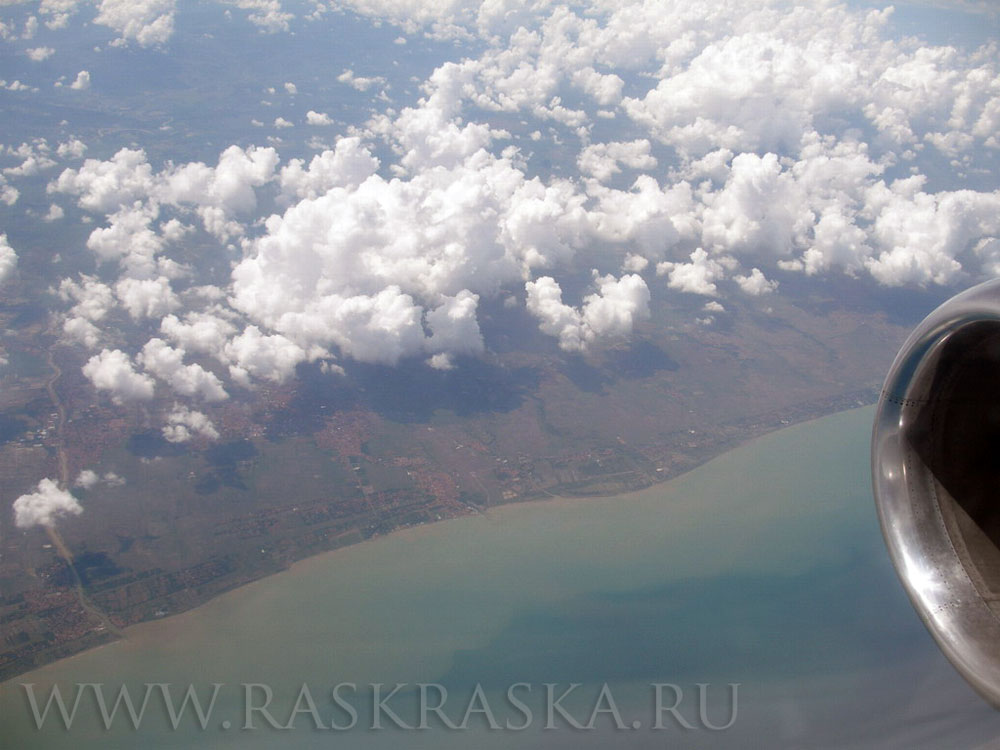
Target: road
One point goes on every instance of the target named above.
(64, 483)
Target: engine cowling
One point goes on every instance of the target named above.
(936, 478)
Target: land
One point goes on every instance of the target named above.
(325, 461)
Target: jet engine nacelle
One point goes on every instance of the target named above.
(936, 477)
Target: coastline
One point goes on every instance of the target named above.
(175, 621)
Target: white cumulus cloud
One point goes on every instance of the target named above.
(755, 284)
(697, 277)
(82, 81)
(146, 22)
(106, 186)
(8, 259)
(113, 371)
(184, 423)
(44, 506)
(318, 118)
(601, 160)
(610, 312)
(347, 165)
(167, 363)
(146, 298)
(37, 54)
(361, 83)
(88, 479)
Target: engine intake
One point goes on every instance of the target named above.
(936, 478)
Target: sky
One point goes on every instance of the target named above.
(217, 193)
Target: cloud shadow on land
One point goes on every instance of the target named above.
(152, 444)
(902, 306)
(641, 359)
(225, 459)
(91, 567)
(412, 391)
(407, 392)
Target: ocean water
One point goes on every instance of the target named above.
(763, 568)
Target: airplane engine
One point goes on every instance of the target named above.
(936, 478)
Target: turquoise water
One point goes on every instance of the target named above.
(764, 567)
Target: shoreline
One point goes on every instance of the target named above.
(170, 621)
